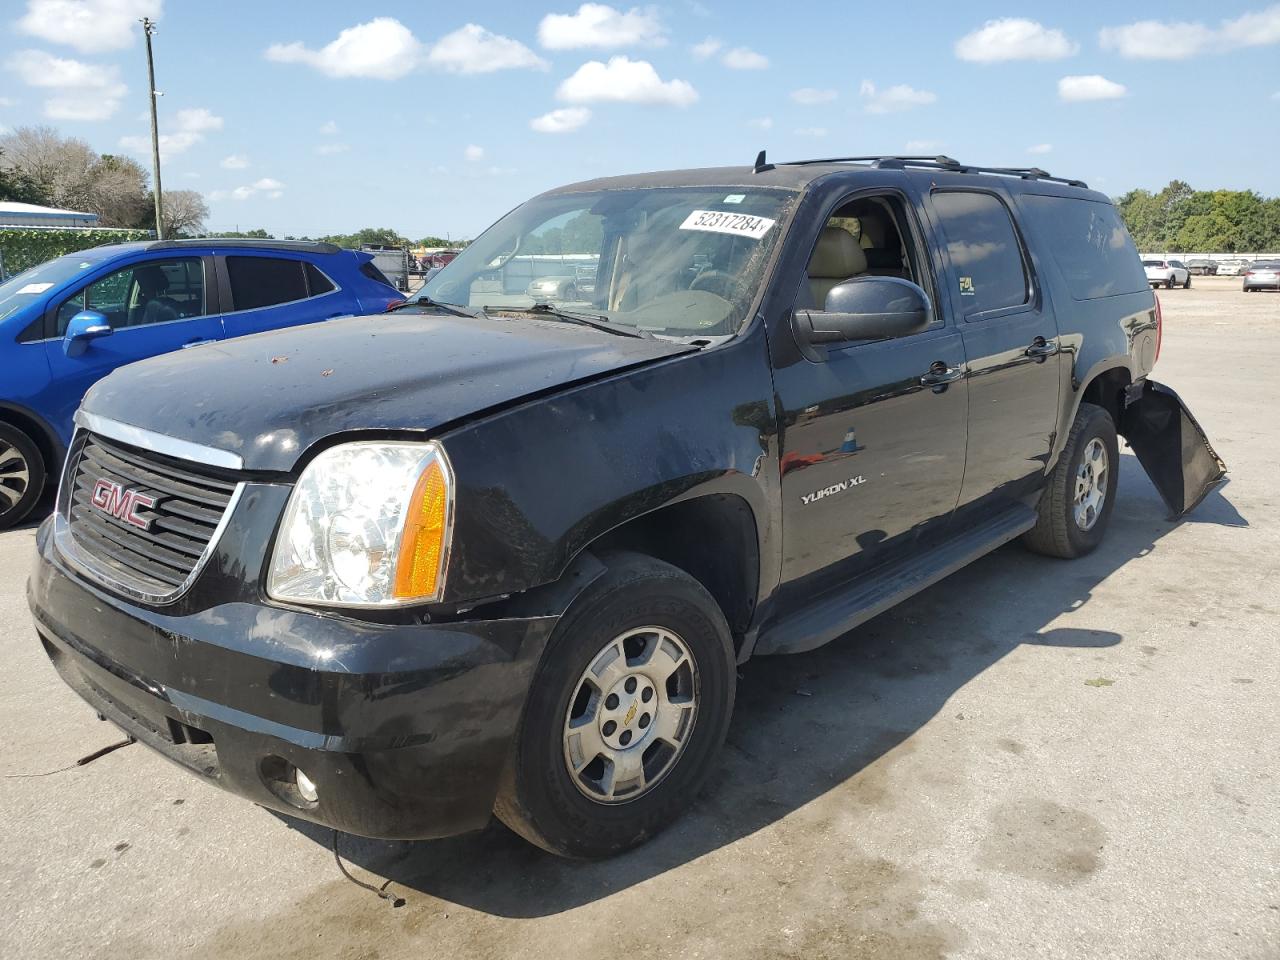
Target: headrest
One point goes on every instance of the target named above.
(837, 255)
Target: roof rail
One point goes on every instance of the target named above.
(300, 246)
(896, 162)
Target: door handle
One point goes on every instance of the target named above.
(1041, 348)
(940, 375)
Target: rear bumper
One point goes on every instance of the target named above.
(403, 728)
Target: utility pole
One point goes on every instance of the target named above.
(148, 28)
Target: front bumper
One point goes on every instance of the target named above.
(404, 728)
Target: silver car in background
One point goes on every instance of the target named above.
(1262, 275)
(1233, 268)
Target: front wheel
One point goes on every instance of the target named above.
(21, 475)
(1076, 504)
(1187, 285)
(626, 714)
(1168, 284)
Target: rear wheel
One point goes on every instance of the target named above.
(1075, 505)
(22, 474)
(626, 714)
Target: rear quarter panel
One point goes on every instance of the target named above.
(1098, 334)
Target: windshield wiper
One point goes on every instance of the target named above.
(453, 308)
(586, 319)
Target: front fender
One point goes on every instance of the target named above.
(538, 483)
(1171, 446)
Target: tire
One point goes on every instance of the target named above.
(1168, 284)
(1187, 285)
(22, 473)
(539, 797)
(1057, 532)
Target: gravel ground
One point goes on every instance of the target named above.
(1031, 759)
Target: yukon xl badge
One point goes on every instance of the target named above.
(115, 501)
(835, 488)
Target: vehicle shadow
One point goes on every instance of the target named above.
(807, 723)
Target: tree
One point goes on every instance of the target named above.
(255, 234)
(1180, 219)
(18, 187)
(184, 213)
(375, 236)
(66, 172)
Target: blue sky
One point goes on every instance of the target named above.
(316, 117)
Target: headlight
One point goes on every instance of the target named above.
(368, 525)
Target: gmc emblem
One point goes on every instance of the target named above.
(115, 501)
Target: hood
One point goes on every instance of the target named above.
(270, 397)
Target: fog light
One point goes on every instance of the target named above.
(306, 789)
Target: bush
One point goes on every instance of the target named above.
(20, 249)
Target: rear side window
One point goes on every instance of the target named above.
(317, 282)
(1090, 245)
(265, 281)
(373, 273)
(986, 255)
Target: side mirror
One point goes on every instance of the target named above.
(85, 326)
(866, 308)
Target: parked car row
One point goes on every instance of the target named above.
(67, 323)
(495, 553)
(1258, 275)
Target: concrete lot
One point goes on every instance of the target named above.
(1032, 759)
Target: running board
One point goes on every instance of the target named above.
(841, 610)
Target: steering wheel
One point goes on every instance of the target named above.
(715, 281)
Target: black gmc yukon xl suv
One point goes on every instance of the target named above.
(492, 553)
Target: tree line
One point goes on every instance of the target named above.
(39, 166)
(1180, 219)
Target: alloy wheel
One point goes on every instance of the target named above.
(1091, 484)
(15, 476)
(631, 715)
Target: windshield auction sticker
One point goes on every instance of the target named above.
(737, 224)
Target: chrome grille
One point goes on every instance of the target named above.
(156, 518)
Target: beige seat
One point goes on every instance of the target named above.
(836, 258)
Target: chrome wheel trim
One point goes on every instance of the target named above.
(631, 715)
(1091, 485)
(15, 476)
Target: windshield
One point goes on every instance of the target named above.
(26, 287)
(680, 262)
(1153, 263)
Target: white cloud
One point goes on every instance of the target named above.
(1014, 38)
(761, 123)
(187, 129)
(473, 49)
(626, 81)
(91, 26)
(329, 149)
(812, 95)
(812, 132)
(473, 153)
(893, 99)
(82, 91)
(330, 128)
(237, 161)
(600, 26)
(1040, 148)
(1089, 87)
(563, 120)
(744, 58)
(1179, 40)
(707, 49)
(270, 187)
(384, 48)
(931, 147)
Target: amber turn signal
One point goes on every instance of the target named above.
(420, 565)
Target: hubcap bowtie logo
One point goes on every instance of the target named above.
(114, 500)
(631, 715)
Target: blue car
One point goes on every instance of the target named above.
(69, 322)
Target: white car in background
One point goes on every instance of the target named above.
(1167, 273)
(1232, 268)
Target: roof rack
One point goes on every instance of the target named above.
(303, 246)
(941, 162)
